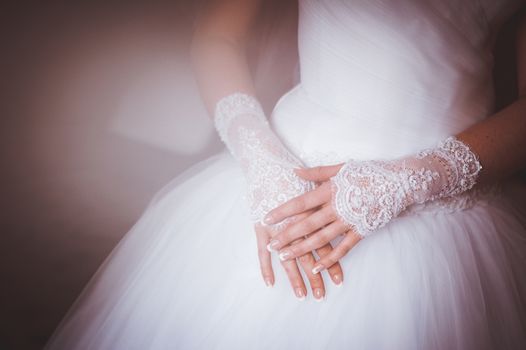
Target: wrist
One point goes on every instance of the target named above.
(273, 187)
(458, 167)
(241, 109)
(366, 195)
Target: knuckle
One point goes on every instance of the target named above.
(296, 281)
(264, 267)
(296, 250)
(345, 246)
(318, 240)
(348, 243)
(262, 251)
(315, 280)
(262, 259)
(305, 226)
(324, 234)
(323, 251)
(326, 247)
(331, 213)
(316, 222)
(305, 258)
(330, 260)
(342, 226)
(297, 241)
(295, 233)
(287, 265)
(299, 204)
(265, 271)
(284, 237)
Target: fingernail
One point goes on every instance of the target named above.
(317, 268)
(268, 219)
(273, 245)
(285, 255)
(337, 279)
(299, 294)
(268, 282)
(318, 294)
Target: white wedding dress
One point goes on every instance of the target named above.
(379, 79)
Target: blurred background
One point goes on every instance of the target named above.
(100, 110)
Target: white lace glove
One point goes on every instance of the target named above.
(368, 194)
(267, 164)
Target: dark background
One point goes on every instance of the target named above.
(99, 110)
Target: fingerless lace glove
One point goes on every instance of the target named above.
(266, 163)
(368, 194)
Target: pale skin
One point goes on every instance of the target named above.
(218, 51)
(499, 141)
(219, 60)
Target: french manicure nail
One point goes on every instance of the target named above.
(318, 294)
(337, 280)
(268, 219)
(268, 282)
(273, 245)
(317, 268)
(285, 255)
(299, 294)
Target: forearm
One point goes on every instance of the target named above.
(220, 68)
(499, 142)
(223, 75)
(218, 49)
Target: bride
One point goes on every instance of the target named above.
(385, 171)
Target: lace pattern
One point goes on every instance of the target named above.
(462, 166)
(267, 164)
(271, 180)
(368, 194)
(232, 106)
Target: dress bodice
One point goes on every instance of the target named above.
(384, 78)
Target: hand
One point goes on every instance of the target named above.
(267, 165)
(318, 217)
(307, 261)
(365, 195)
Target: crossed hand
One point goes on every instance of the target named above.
(313, 224)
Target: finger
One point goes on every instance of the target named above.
(307, 262)
(335, 271)
(265, 260)
(295, 278)
(300, 204)
(309, 224)
(338, 252)
(319, 173)
(274, 230)
(316, 240)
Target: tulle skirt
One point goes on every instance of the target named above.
(186, 276)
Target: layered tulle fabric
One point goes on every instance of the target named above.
(378, 80)
(187, 277)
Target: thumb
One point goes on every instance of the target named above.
(319, 173)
